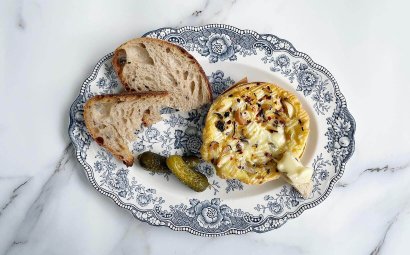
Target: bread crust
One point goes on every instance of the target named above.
(119, 52)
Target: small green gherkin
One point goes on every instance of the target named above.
(153, 162)
(191, 161)
(193, 179)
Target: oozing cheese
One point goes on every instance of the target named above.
(249, 128)
(257, 134)
(251, 139)
(293, 169)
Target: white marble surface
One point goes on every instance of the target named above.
(48, 48)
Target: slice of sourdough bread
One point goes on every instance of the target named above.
(113, 119)
(149, 64)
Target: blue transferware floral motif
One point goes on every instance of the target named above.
(151, 133)
(109, 82)
(309, 81)
(282, 61)
(232, 185)
(209, 214)
(212, 212)
(190, 140)
(340, 135)
(116, 178)
(206, 168)
(219, 82)
(218, 47)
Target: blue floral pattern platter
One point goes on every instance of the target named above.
(227, 54)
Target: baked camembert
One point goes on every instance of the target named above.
(256, 132)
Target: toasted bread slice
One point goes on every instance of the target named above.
(149, 64)
(113, 119)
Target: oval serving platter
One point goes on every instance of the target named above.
(227, 54)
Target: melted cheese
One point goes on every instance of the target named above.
(261, 140)
(294, 170)
(249, 128)
(225, 104)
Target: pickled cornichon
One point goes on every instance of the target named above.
(153, 162)
(191, 161)
(195, 180)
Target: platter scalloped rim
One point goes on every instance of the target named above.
(222, 43)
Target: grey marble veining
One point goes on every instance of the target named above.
(14, 194)
(374, 170)
(36, 208)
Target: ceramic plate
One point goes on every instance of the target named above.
(227, 54)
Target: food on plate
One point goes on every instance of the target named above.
(256, 132)
(158, 74)
(157, 163)
(149, 64)
(193, 179)
(295, 173)
(191, 161)
(182, 167)
(112, 119)
(153, 162)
